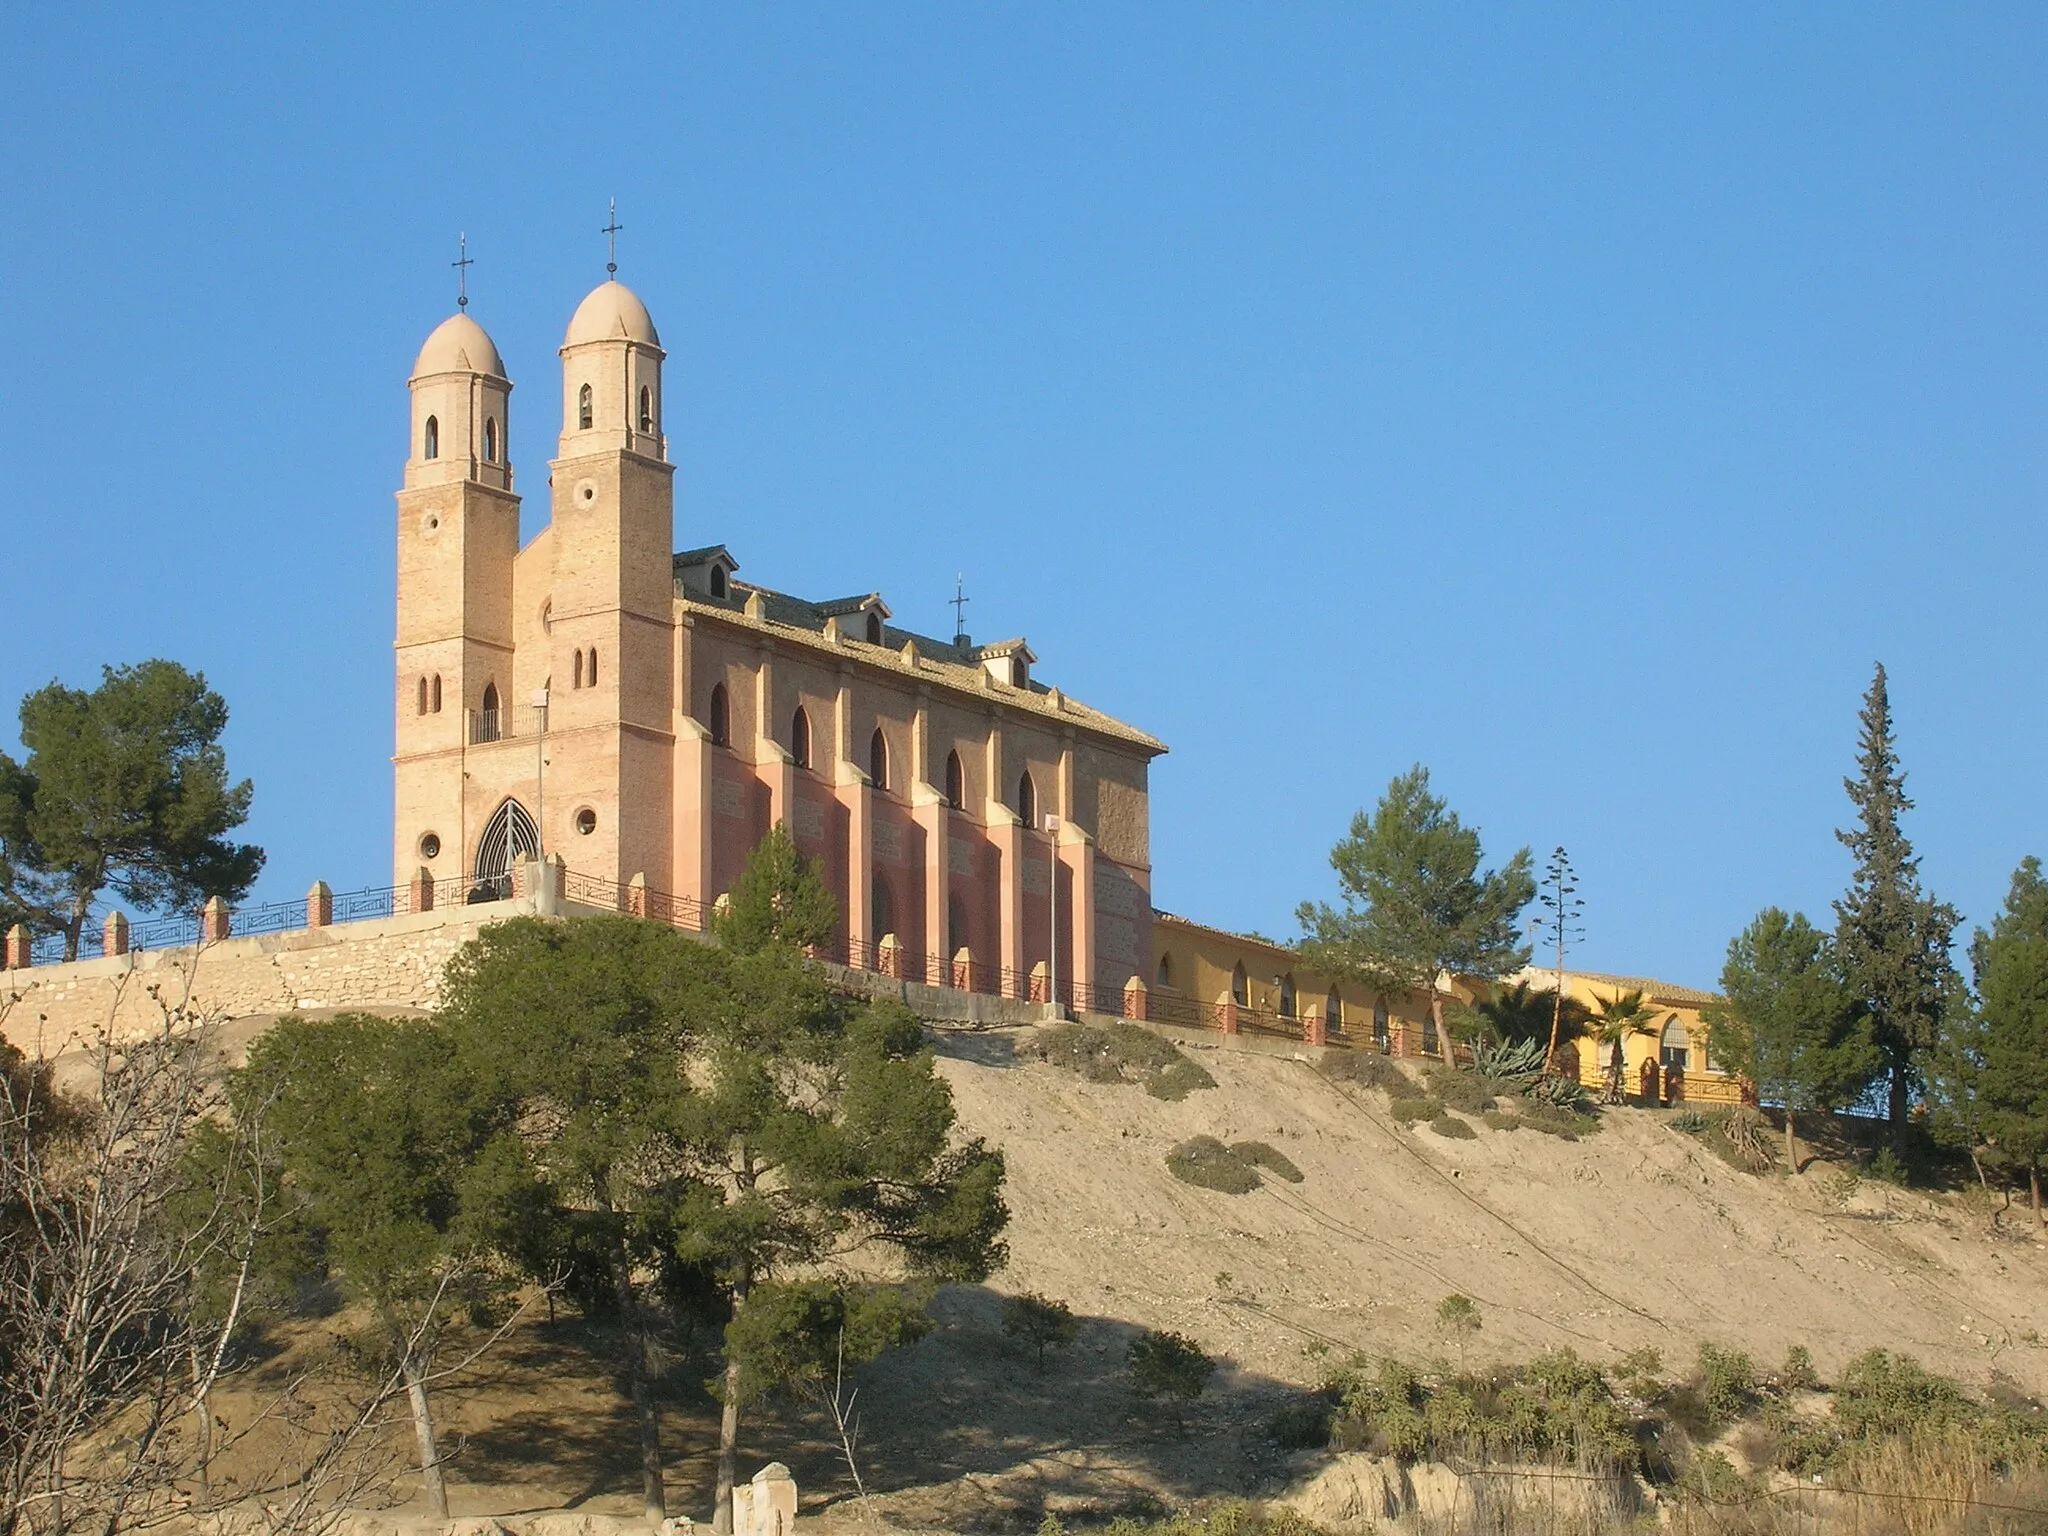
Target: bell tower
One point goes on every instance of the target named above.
(458, 533)
(612, 629)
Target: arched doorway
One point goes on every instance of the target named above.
(509, 838)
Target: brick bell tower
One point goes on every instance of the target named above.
(611, 629)
(458, 532)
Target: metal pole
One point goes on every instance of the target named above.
(540, 782)
(1052, 934)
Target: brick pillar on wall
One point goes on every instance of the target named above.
(1008, 836)
(1315, 1029)
(419, 895)
(115, 933)
(1041, 984)
(963, 969)
(1077, 854)
(319, 905)
(636, 895)
(214, 923)
(17, 948)
(1136, 999)
(929, 809)
(1226, 1014)
(889, 957)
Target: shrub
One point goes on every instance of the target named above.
(1451, 1127)
(1461, 1090)
(1408, 1111)
(1726, 1383)
(1884, 1394)
(1496, 1121)
(1171, 1365)
(1258, 1154)
(1887, 1167)
(1205, 1162)
(1561, 1123)
(1641, 1371)
(1040, 1322)
(1303, 1424)
(1797, 1373)
(1123, 1053)
(1369, 1068)
(1457, 1316)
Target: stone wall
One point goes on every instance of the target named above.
(383, 963)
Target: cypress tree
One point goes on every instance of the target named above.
(1891, 937)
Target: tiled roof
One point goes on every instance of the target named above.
(938, 661)
(1651, 988)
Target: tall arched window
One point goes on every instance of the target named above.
(1333, 1009)
(583, 407)
(874, 629)
(721, 718)
(509, 838)
(878, 759)
(1240, 987)
(423, 696)
(1674, 1048)
(490, 439)
(718, 581)
(883, 913)
(1286, 984)
(800, 738)
(434, 696)
(576, 671)
(1027, 799)
(1165, 970)
(590, 669)
(430, 444)
(956, 782)
(1382, 1026)
(487, 723)
(646, 409)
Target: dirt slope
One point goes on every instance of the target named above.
(1636, 1235)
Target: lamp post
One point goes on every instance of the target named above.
(1052, 889)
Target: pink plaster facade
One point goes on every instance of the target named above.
(644, 713)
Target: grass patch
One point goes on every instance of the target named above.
(1408, 1111)
(1452, 1127)
(1122, 1053)
(1208, 1164)
(1258, 1154)
(1370, 1069)
(1564, 1124)
(1496, 1121)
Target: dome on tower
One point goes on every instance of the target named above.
(459, 345)
(612, 312)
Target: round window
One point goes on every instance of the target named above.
(430, 846)
(586, 821)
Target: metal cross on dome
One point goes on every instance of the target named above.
(462, 264)
(959, 605)
(611, 234)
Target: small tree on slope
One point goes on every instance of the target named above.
(1416, 904)
(2010, 964)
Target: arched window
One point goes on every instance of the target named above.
(721, 718)
(509, 838)
(1382, 1033)
(423, 696)
(1166, 970)
(488, 726)
(718, 581)
(583, 407)
(430, 445)
(1674, 1048)
(576, 673)
(1286, 985)
(800, 738)
(1240, 987)
(956, 782)
(590, 671)
(874, 629)
(883, 913)
(1027, 799)
(1333, 1009)
(490, 439)
(434, 696)
(958, 936)
(646, 409)
(878, 759)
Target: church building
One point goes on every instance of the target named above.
(646, 714)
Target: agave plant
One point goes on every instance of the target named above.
(1514, 1065)
(1559, 1092)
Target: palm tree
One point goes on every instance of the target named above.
(1522, 1012)
(1611, 1022)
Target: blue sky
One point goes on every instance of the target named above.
(1578, 400)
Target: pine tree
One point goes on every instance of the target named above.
(2011, 967)
(1891, 937)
